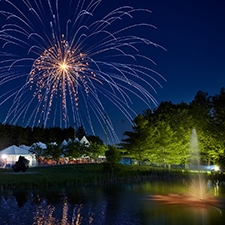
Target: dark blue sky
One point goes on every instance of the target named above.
(193, 33)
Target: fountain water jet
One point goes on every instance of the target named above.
(198, 186)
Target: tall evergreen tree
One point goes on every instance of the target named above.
(137, 143)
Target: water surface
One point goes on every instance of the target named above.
(108, 205)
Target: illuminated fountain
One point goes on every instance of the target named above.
(198, 195)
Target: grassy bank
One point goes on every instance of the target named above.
(81, 174)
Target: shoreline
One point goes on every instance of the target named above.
(86, 174)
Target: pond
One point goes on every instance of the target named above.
(119, 204)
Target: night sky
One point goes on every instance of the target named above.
(193, 34)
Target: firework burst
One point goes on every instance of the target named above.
(60, 71)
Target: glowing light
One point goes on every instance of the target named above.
(66, 68)
(216, 168)
(63, 66)
(4, 156)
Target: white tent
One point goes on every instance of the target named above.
(85, 141)
(11, 154)
(41, 145)
(25, 147)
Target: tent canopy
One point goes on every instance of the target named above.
(85, 141)
(14, 150)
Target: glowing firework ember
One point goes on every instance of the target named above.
(66, 68)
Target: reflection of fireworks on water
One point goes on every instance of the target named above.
(66, 68)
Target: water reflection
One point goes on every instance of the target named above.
(21, 197)
(119, 204)
(198, 194)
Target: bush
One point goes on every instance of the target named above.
(113, 157)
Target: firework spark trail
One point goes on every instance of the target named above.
(64, 68)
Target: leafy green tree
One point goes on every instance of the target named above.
(205, 110)
(37, 151)
(72, 150)
(113, 157)
(181, 122)
(167, 147)
(53, 151)
(95, 150)
(173, 123)
(214, 149)
(218, 126)
(159, 136)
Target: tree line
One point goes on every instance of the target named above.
(162, 135)
(18, 135)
